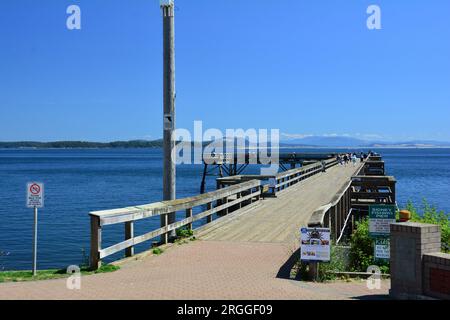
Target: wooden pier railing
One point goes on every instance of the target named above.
(369, 190)
(282, 180)
(373, 168)
(336, 214)
(239, 196)
(288, 178)
(353, 200)
(235, 193)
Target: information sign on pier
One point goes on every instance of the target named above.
(315, 244)
(380, 219)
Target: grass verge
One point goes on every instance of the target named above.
(19, 276)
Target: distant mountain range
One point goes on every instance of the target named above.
(82, 144)
(349, 142)
(307, 142)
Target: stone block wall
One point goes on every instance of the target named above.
(410, 241)
(436, 277)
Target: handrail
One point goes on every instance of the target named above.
(291, 172)
(360, 191)
(244, 194)
(283, 179)
(290, 177)
(163, 207)
(318, 217)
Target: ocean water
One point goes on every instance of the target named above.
(80, 181)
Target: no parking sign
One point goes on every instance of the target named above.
(35, 195)
(35, 199)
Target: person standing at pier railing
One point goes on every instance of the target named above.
(324, 166)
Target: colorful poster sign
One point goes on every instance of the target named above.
(315, 244)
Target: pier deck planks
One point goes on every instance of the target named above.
(278, 219)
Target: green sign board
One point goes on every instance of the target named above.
(382, 249)
(380, 219)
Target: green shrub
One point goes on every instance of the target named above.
(157, 251)
(362, 245)
(429, 214)
(361, 249)
(184, 233)
(336, 264)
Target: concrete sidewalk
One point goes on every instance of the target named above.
(199, 270)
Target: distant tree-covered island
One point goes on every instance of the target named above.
(81, 144)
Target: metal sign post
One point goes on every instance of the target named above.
(35, 242)
(35, 200)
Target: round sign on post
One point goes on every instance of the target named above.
(35, 195)
(35, 200)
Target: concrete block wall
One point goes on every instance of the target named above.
(436, 277)
(410, 241)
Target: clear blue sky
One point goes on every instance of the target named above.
(303, 66)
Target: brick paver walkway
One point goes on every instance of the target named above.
(198, 270)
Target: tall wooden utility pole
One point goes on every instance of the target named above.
(167, 7)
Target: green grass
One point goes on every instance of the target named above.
(184, 233)
(157, 251)
(19, 276)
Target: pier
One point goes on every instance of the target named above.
(226, 164)
(248, 209)
(246, 247)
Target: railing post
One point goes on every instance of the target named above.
(330, 219)
(393, 192)
(189, 215)
(336, 223)
(96, 243)
(239, 195)
(165, 235)
(209, 218)
(129, 234)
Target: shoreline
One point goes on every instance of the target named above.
(281, 147)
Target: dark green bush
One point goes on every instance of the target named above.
(429, 214)
(361, 249)
(362, 246)
(184, 233)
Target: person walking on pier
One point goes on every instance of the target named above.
(354, 159)
(324, 166)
